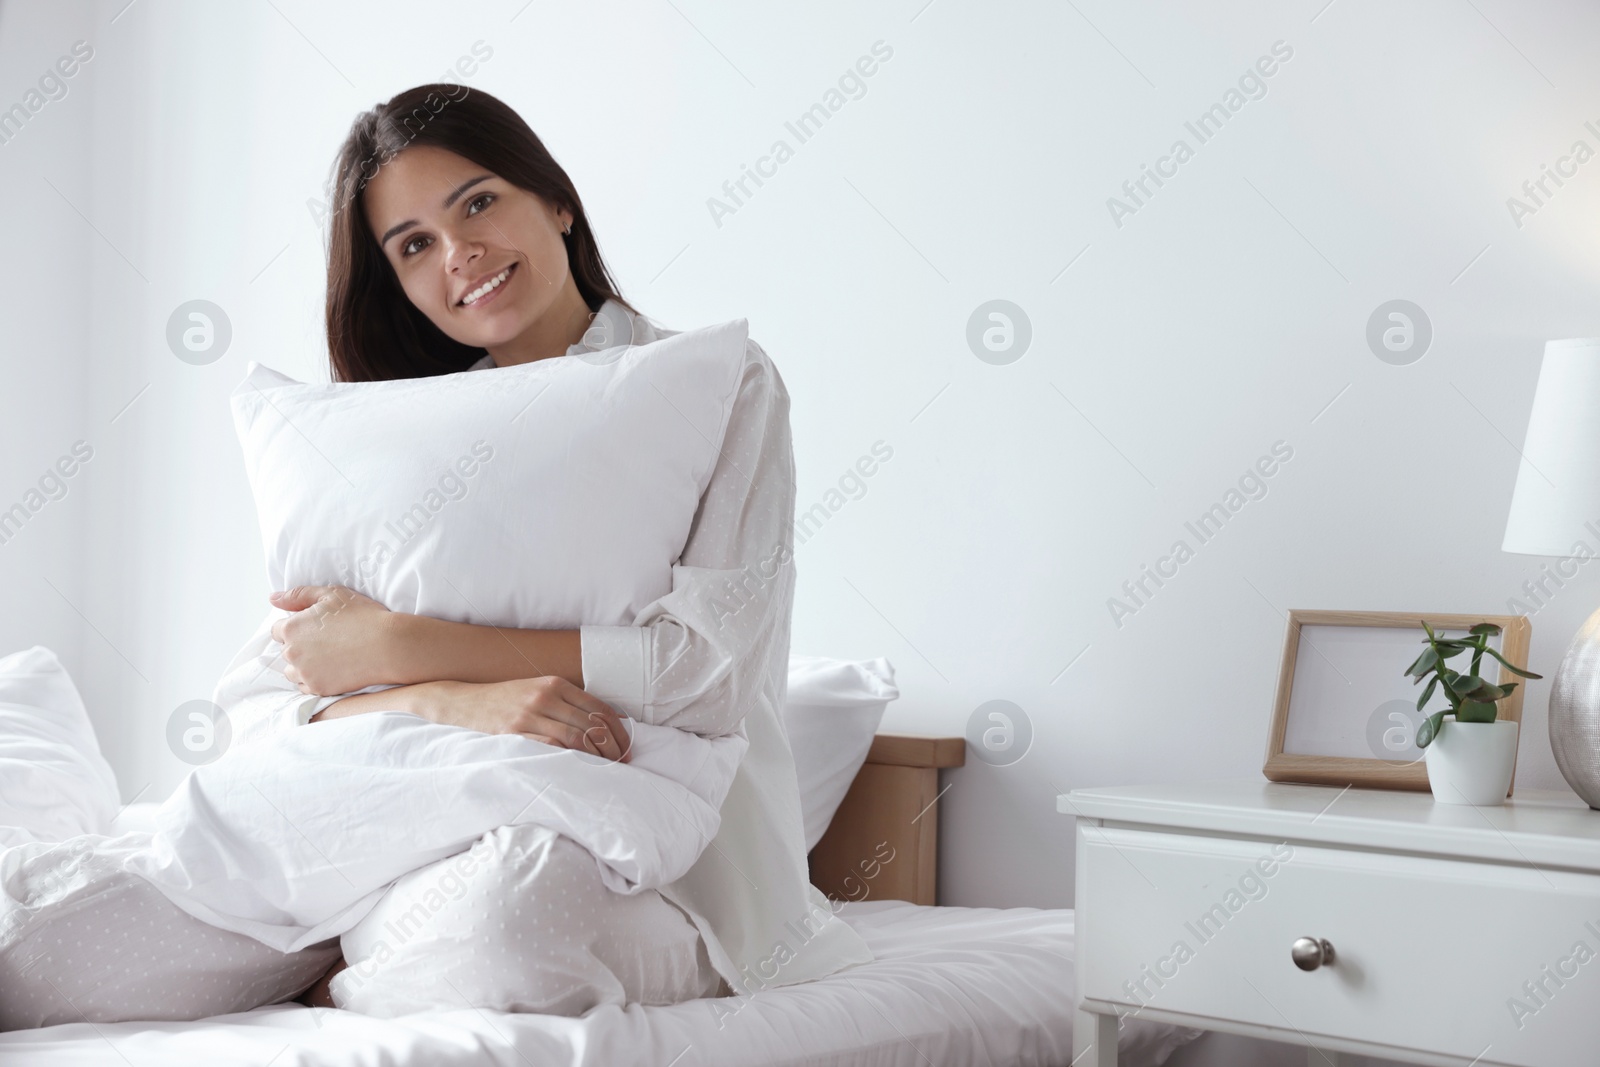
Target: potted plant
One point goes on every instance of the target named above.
(1470, 757)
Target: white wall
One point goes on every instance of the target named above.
(44, 318)
(1220, 318)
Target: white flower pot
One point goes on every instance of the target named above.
(1471, 762)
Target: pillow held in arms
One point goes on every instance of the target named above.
(544, 495)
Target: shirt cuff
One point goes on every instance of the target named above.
(615, 660)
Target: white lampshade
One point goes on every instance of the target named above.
(1558, 483)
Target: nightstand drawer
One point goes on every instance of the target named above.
(1428, 953)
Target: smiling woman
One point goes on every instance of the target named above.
(466, 248)
(465, 207)
(571, 605)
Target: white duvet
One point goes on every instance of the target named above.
(297, 839)
(248, 843)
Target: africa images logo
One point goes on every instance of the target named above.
(804, 127)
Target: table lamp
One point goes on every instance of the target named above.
(1555, 511)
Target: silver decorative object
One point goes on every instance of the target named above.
(1575, 713)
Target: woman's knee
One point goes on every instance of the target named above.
(520, 922)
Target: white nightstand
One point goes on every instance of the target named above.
(1459, 935)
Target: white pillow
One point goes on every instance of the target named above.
(543, 495)
(54, 783)
(831, 714)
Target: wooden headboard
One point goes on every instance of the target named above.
(883, 842)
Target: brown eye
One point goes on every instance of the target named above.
(414, 245)
(478, 203)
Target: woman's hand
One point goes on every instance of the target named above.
(337, 640)
(548, 709)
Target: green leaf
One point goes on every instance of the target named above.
(1473, 711)
(1428, 692)
(1480, 689)
(1513, 668)
(1426, 627)
(1485, 628)
(1424, 663)
(1428, 729)
(1506, 688)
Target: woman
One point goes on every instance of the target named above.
(458, 243)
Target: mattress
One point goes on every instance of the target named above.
(949, 986)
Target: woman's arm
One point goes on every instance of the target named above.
(339, 641)
(430, 649)
(548, 709)
(259, 701)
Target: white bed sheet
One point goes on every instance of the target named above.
(949, 986)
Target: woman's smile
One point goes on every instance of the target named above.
(487, 290)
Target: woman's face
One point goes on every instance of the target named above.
(483, 259)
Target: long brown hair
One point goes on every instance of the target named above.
(375, 333)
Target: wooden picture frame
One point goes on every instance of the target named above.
(1321, 768)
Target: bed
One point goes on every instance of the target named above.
(948, 986)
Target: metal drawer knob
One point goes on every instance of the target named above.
(1309, 953)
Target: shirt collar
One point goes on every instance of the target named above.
(611, 326)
